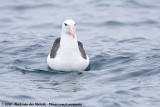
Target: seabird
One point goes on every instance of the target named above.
(67, 54)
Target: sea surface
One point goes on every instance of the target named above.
(121, 38)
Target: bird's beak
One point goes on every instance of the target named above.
(71, 31)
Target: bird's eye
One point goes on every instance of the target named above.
(65, 24)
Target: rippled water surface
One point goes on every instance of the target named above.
(121, 37)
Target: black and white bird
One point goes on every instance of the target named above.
(67, 54)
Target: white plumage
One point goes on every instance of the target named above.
(68, 56)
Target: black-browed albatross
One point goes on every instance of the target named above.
(67, 54)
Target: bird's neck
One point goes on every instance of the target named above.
(68, 46)
(67, 39)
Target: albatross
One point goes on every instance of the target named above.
(68, 54)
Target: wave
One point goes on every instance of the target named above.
(140, 23)
(47, 70)
(27, 7)
(133, 40)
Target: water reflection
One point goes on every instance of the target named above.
(72, 83)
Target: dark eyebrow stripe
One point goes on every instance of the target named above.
(65, 24)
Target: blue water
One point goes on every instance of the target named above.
(121, 37)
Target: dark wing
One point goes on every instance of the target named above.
(81, 49)
(55, 48)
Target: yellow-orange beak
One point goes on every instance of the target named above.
(71, 31)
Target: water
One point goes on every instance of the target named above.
(121, 37)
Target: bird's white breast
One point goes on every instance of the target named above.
(68, 57)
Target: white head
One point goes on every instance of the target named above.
(69, 28)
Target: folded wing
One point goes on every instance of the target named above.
(81, 49)
(55, 48)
